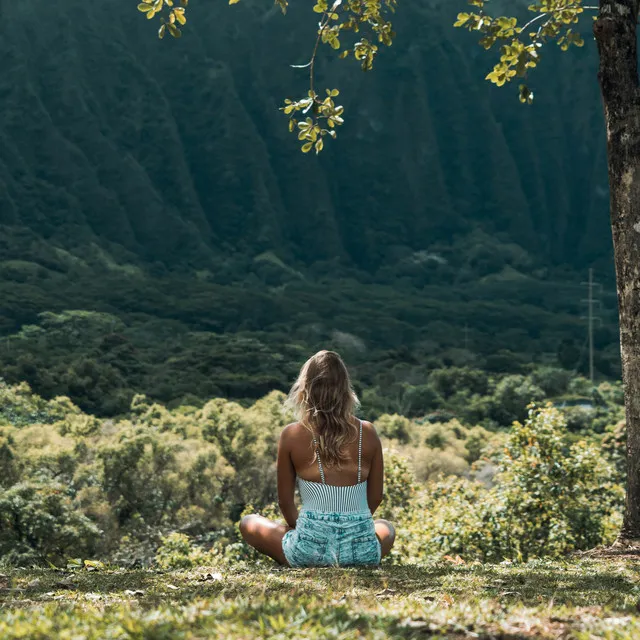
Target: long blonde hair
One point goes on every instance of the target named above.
(324, 401)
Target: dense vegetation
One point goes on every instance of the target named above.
(404, 354)
(167, 262)
(174, 153)
(155, 211)
(126, 527)
(168, 486)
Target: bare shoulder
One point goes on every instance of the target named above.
(292, 432)
(369, 432)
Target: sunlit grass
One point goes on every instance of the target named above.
(580, 598)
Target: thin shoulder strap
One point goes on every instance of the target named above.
(360, 454)
(315, 444)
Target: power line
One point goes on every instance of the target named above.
(591, 318)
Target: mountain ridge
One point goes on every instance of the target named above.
(175, 151)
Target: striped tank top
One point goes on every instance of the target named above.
(320, 496)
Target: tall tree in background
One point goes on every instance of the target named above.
(521, 40)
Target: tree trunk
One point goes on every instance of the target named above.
(615, 32)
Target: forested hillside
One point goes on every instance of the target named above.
(155, 182)
(176, 152)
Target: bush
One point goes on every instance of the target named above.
(399, 489)
(614, 446)
(421, 399)
(75, 484)
(177, 552)
(40, 522)
(447, 382)
(553, 382)
(154, 476)
(394, 427)
(9, 462)
(512, 396)
(478, 439)
(549, 497)
(19, 406)
(578, 418)
(446, 436)
(430, 464)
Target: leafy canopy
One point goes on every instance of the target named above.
(355, 28)
(520, 41)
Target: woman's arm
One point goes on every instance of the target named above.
(375, 481)
(286, 480)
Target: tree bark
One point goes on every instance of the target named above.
(615, 32)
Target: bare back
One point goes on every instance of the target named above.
(306, 466)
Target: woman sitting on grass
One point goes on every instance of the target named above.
(336, 460)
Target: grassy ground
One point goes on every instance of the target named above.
(578, 598)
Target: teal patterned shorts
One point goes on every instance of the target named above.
(332, 539)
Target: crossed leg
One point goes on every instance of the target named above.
(265, 536)
(386, 533)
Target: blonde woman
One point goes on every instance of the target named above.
(336, 461)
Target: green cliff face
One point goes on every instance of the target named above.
(175, 151)
(155, 182)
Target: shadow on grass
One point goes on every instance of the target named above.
(43, 584)
(600, 583)
(583, 584)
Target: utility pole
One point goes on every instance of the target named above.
(591, 318)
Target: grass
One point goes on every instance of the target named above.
(580, 598)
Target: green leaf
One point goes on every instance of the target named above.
(307, 147)
(144, 7)
(463, 18)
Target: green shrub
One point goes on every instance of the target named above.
(178, 552)
(614, 446)
(399, 486)
(19, 406)
(447, 382)
(153, 476)
(548, 498)
(45, 454)
(73, 483)
(430, 464)
(394, 427)
(478, 439)
(553, 381)
(10, 465)
(40, 522)
(450, 435)
(578, 419)
(511, 397)
(421, 399)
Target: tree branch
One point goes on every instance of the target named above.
(548, 13)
